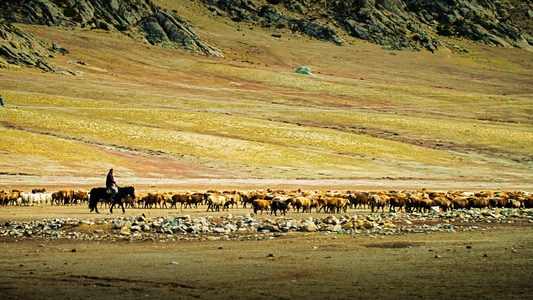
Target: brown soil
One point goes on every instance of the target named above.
(492, 261)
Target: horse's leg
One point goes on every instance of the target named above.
(122, 205)
(111, 207)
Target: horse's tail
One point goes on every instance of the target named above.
(91, 203)
(92, 199)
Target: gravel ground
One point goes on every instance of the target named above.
(67, 252)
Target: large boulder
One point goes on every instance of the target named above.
(168, 29)
(394, 24)
(18, 48)
(136, 18)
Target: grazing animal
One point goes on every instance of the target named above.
(514, 204)
(97, 194)
(215, 202)
(460, 202)
(332, 204)
(181, 198)
(80, 196)
(302, 202)
(398, 200)
(153, 199)
(261, 205)
(281, 205)
(195, 199)
(358, 199)
(62, 197)
(376, 202)
(14, 197)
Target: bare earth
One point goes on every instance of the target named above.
(492, 261)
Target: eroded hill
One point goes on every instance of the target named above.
(395, 25)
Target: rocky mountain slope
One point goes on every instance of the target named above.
(397, 25)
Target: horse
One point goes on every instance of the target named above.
(101, 194)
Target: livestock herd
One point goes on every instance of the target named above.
(274, 201)
(42, 197)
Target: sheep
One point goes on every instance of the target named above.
(261, 205)
(25, 198)
(153, 199)
(215, 202)
(14, 197)
(332, 204)
(181, 198)
(80, 196)
(399, 200)
(195, 199)
(302, 202)
(376, 201)
(358, 199)
(38, 198)
(460, 202)
(279, 204)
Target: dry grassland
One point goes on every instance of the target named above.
(367, 113)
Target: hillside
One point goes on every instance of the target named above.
(395, 25)
(369, 115)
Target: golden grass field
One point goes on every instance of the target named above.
(367, 115)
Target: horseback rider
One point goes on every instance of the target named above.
(111, 185)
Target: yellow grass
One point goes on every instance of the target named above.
(364, 114)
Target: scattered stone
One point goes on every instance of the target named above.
(165, 228)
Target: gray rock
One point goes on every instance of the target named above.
(233, 227)
(269, 228)
(308, 227)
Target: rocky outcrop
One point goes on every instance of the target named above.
(136, 18)
(167, 29)
(18, 48)
(278, 15)
(394, 24)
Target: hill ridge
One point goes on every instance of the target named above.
(396, 25)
